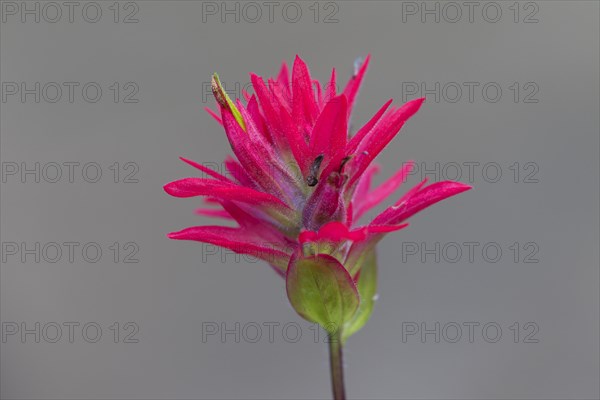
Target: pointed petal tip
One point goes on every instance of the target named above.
(189, 162)
(256, 79)
(455, 185)
(180, 235)
(361, 65)
(408, 167)
(463, 187)
(173, 235)
(411, 107)
(299, 61)
(415, 103)
(375, 229)
(169, 189)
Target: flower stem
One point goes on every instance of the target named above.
(336, 364)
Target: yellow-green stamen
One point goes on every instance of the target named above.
(223, 98)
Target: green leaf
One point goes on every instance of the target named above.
(367, 288)
(322, 291)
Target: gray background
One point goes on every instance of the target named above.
(170, 53)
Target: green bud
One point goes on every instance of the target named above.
(322, 291)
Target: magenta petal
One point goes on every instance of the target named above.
(286, 136)
(206, 170)
(283, 181)
(214, 115)
(271, 112)
(420, 200)
(284, 77)
(317, 85)
(352, 145)
(412, 191)
(385, 228)
(364, 185)
(255, 115)
(237, 240)
(190, 187)
(211, 212)
(307, 236)
(246, 95)
(238, 173)
(330, 89)
(362, 132)
(384, 190)
(353, 85)
(381, 135)
(280, 96)
(333, 232)
(253, 154)
(330, 131)
(248, 218)
(303, 98)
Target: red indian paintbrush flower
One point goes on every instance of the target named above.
(298, 186)
(300, 183)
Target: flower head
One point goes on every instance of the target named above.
(300, 182)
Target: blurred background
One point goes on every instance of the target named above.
(492, 294)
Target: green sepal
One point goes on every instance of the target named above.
(322, 291)
(367, 288)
